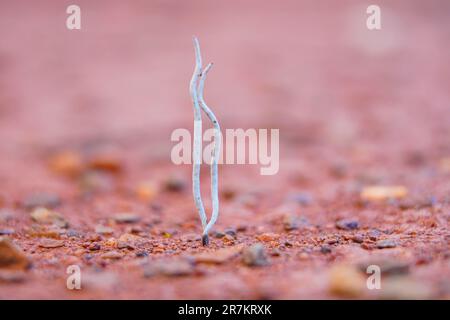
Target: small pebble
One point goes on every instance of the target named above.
(346, 282)
(383, 244)
(66, 163)
(357, 238)
(218, 234)
(255, 256)
(51, 243)
(46, 216)
(325, 249)
(146, 191)
(126, 217)
(11, 256)
(175, 184)
(267, 237)
(109, 162)
(112, 255)
(380, 193)
(231, 231)
(374, 234)
(6, 232)
(104, 230)
(94, 247)
(346, 224)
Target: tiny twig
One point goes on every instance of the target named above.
(199, 102)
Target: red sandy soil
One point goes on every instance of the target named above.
(354, 108)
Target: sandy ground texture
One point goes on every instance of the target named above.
(85, 172)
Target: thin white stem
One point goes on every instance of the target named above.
(197, 147)
(196, 90)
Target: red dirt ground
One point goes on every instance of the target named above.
(354, 108)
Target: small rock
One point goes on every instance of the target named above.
(325, 249)
(267, 237)
(6, 232)
(332, 241)
(43, 199)
(126, 217)
(109, 162)
(383, 244)
(228, 239)
(146, 191)
(129, 241)
(228, 193)
(255, 256)
(346, 224)
(175, 184)
(104, 230)
(218, 256)
(112, 255)
(374, 234)
(418, 202)
(290, 222)
(95, 181)
(380, 193)
(171, 268)
(231, 231)
(94, 247)
(275, 252)
(346, 281)
(357, 238)
(367, 246)
(67, 163)
(51, 243)
(141, 253)
(11, 256)
(44, 231)
(218, 234)
(46, 216)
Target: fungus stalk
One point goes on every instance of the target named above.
(197, 85)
